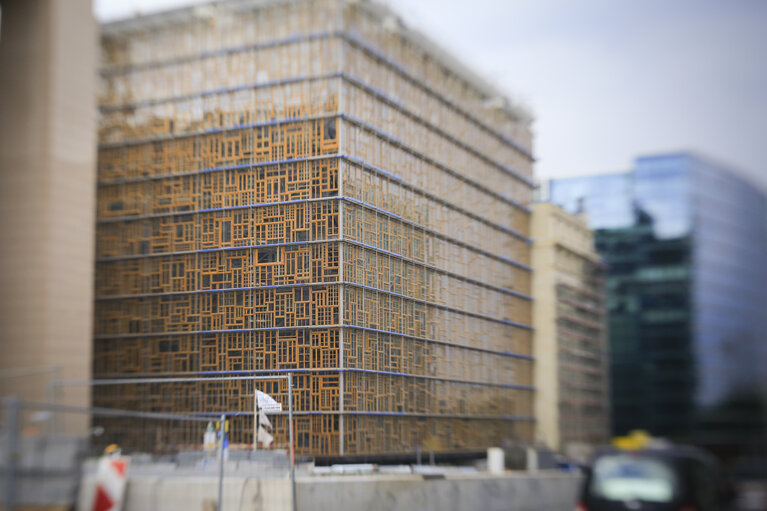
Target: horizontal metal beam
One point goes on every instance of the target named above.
(272, 374)
(133, 381)
(108, 412)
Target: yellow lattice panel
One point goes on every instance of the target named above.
(260, 144)
(260, 308)
(224, 189)
(419, 170)
(421, 206)
(405, 435)
(389, 233)
(287, 223)
(432, 75)
(428, 107)
(389, 273)
(232, 70)
(449, 151)
(400, 315)
(371, 392)
(386, 352)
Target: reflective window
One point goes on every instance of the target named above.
(623, 478)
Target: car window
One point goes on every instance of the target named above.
(626, 477)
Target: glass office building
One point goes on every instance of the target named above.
(686, 243)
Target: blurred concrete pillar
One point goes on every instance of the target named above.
(532, 459)
(47, 195)
(495, 462)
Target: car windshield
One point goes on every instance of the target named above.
(626, 477)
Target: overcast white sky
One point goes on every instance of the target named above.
(606, 80)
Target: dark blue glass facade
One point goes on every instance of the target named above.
(686, 244)
(730, 286)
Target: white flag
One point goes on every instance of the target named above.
(264, 437)
(263, 419)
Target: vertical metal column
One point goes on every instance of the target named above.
(11, 407)
(256, 417)
(222, 430)
(292, 446)
(51, 394)
(341, 305)
(342, 150)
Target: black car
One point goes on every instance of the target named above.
(676, 478)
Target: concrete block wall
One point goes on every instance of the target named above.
(549, 491)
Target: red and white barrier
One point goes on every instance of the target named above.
(110, 483)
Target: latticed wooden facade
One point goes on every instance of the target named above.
(310, 187)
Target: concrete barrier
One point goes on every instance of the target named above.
(542, 491)
(195, 493)
(46, 474)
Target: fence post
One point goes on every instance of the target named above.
(11, 407)
(51, 393)
(222, 430)
(292, 446)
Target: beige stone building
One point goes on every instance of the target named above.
(47, 199)
(569, 315)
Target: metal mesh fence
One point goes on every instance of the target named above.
(42, 466)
